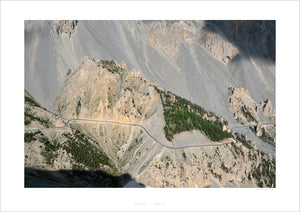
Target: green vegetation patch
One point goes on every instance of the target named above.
(28, 136)
(51, 148)
(69, 71)
(29, 116)
(29, 100)
(247, 114)
(264, 174)
(78, 107)
(182, 115)
(266, 137)
(111, 66)
(243, 140)
(224, 168)
(27, 121)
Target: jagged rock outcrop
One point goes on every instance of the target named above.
(168, 35)
(65, 26)
(244, 107)
(217, 46)
(106, 90)
(247, 111)
(258, 130)
(267, 108)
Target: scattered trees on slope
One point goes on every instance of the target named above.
(182, 115)
(29, 116)
(111, 66)
(84, 152)
(28, 136)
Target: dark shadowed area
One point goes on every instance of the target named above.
(36, 178)
(253, 37)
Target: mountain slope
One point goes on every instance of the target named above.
(169, 123)
(193, 68)
(105, 90)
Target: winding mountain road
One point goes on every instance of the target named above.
(252, 125)
(134, 125)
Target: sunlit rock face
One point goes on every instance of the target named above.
(184, 57)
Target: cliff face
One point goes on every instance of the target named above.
(66, 26)
(247, 111)
(244, 107)
(198, 49)
(169, 36)
(106, 90)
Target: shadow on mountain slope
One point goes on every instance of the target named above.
(254, 37)
(37, 178)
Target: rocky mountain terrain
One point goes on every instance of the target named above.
(185, 72)
(248, 112)
(66, 26)
(169, 36)
(166, 117)
(105, 90)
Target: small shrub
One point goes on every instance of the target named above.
(111, 66)
(69, 71)
(224, 167)
(78, 107)
(28, 136)
(26, 122)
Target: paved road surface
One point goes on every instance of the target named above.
(252, 125)
(137, 125)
